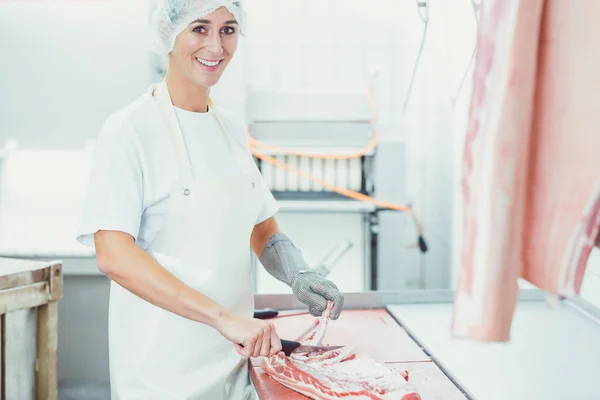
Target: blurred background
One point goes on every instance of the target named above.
(300, 80)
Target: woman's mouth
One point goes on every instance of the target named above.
(208, 65)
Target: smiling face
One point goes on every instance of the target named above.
(205, 47)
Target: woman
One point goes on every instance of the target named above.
(174, 206)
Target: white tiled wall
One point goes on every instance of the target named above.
(66, 65)
(437, 132)
(590, 288)
(333, 45)
(316, 45)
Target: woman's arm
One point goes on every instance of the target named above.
(284, 261)
(119, 258)
(261, 234)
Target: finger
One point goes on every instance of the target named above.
(275, 342)
(257, 343)
(338, 305)
(324, 292)
(330, 292)
(325, 289)
(248, 347)
(315, 311)
(240, 349)
(313, 300)
(266, 341)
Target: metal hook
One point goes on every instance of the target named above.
(476, 8)
(423, 8)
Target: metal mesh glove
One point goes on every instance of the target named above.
(314, 290)
(284, 261)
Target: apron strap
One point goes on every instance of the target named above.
(241, 156)
(165, 106)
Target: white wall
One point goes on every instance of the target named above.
(437, 130)
(71, 64)
(66, 65)
(590, 288)
(311, 45)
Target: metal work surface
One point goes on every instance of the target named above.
(378, 299)
(554, 353)
(374, 333)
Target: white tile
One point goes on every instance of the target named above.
(590, 288)
(291, 65)
(593, 264)
(553, 353)
(320, 65)
(348, 67)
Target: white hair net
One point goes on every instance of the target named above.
(172, 16)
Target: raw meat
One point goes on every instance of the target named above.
(531, 178)
(337, 373)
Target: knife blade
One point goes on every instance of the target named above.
(265, 313)
(289, 347)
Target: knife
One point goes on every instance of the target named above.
(265, 313)
(289, 347)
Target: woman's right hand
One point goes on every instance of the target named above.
(251, 337)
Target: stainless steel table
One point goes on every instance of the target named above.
(554, 352)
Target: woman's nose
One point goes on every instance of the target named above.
(213, 44)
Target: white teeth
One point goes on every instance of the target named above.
(207, 63)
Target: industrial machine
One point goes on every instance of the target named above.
(311, 148)
(317, 153)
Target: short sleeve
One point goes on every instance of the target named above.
(236, 127)
(269, 208)
(114, 196)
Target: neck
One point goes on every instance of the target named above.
(186, 95)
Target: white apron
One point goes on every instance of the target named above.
(205, 242)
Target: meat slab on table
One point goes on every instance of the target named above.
(531, 167)
(340, 373)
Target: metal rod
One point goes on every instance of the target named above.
(414, 73)
(381, 298)
(464, 77)
(326, 265)
(476, 6)
(585, 308)
(433, 357)
(423, 9)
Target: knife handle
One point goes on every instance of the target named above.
(265, 313)
(288, 346)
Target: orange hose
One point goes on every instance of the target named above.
(344, 192)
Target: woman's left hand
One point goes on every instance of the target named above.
(314, 290)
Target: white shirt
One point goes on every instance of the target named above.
(134, 167)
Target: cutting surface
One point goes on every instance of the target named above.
(9, 266)
(553, 353)
(373, 333)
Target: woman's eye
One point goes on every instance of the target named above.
(200, 29)
(228, 30)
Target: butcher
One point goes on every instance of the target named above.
(174, 207)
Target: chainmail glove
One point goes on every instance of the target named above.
(284, 261)
(314, 290)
